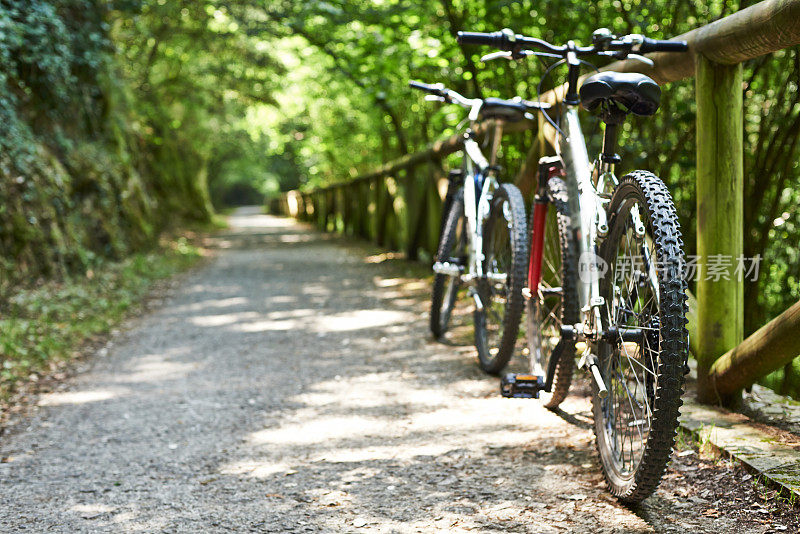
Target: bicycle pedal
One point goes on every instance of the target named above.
(519, 386)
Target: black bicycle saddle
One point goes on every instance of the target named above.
(507, 110)
(634, 92)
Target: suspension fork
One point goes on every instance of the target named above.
(477, 165)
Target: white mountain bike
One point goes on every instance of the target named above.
(483, 243)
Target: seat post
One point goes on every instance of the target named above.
(612, 116)
(496, 138)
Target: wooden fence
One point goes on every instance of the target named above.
(398, 206)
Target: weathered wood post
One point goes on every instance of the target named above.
(381, 210)
(415, 213)
(434, 202)
(358, 216)
(773, 345)
(720, 175)
(319, 208)
(366, 203)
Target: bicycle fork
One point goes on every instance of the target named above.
(476, 209)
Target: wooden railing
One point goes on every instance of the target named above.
(398, 206)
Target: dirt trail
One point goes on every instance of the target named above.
(291, 386)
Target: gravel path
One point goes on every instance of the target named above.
(290, 386)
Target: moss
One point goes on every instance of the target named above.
(79, 184)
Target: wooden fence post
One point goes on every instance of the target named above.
(381, 211)
(319, 208)
(773, 345)
(434, 209)
(363, 209)
(372, 216)
(393, 223)
(344, 202)
(415, 216)
(720, 176)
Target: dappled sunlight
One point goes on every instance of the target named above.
(360, 319)
(388, 282)
(90, 510)
(386, 256)
(315, 289)
(79, 397)
(246, 218)
(381, 452)
(222, 319)
(282, 299)
(318, 322)
(268, 326)
(156, 367)
(319, 430)
(204, 305)
(255, 469)
(297, 238)
(370, 391)
(293, 313)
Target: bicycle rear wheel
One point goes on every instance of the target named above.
(556, 299)
(505, 249)
(452, 249)
(642, 365)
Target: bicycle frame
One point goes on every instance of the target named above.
(480, 181)
(589, 221)
(587, 185)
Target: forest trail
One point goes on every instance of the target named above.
(291, 385)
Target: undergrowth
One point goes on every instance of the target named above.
(46, 325)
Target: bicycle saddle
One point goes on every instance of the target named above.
(507, 110)
(634, 92)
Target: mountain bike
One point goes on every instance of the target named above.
(613, 279)
(483, 243)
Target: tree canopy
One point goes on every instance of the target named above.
(121, 116)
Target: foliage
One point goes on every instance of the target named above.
(193, 72)
(123, 116)
(43, 326)
(351, 110)
(65, 195)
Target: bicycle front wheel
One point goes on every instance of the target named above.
(505, 249)
(642, 359)
(452, 250)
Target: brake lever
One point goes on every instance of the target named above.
(497, 55)
(645, 60)
(519, 54)
(434, 98)
(630, 55)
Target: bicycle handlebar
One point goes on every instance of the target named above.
(495, 39)
(434, 89)
(661, 45)
(508, 41)
(448, 95)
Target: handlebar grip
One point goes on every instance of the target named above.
(496, 39)
(658, 45)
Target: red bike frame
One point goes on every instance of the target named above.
(548, 168)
